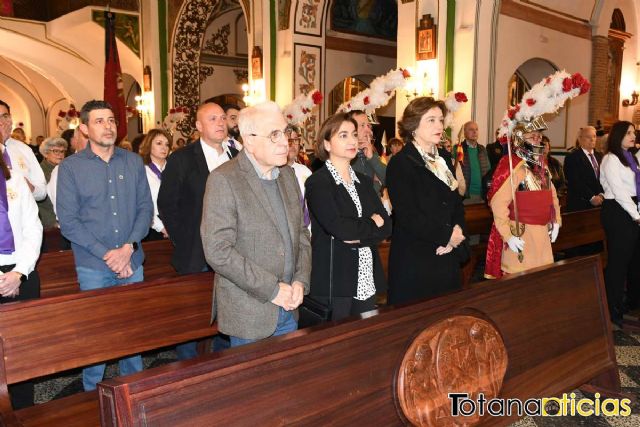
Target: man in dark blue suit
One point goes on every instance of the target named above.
(582, 170)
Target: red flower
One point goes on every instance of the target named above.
(178, 109)
(172, 111)
(531, 102)
(511, 113)
(577, 80)
(62, 114)
(289, 116)
(504, 139)
(316, 97)
(566, 84)
(72, 113)
(584, 88)
(366, 100)
(305, 110)
(406, 74)
(547, 80)
(461, 97)
(20, 124)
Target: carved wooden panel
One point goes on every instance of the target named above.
(461, 353)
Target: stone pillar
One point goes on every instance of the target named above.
(598, 79)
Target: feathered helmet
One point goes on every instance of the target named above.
(300, 109)
(546, 97)
(377, 94)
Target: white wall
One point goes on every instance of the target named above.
(519, 41)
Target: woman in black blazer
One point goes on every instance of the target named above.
(428, 217)
(347, 223)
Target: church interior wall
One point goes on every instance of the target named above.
(519, 41)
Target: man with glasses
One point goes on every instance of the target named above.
(368, 161)
(17, 155)
(254, 235)
(182, 190)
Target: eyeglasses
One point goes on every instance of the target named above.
(54, 151)
(275, 135)
(294, 141)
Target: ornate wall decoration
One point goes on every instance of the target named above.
(309, 17)
(242, 75)
(127, 28)
(205, 71)
(284, 10)
(307, 77)
(219, 41)
(190, 30)
(457, 354)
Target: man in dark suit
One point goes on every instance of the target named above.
(582, 171)
(182, 191)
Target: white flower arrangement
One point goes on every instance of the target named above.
(299, 110)
(378, 93)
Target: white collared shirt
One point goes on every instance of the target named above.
(23, 160)
(51, 188)
(213, 158)
(302, 173)
(619, 183)
(25, 225)
(154, 186)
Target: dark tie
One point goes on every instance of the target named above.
(5, 156)
(594, 163)
(232, 144)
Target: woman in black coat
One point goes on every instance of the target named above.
(348, 222)
(428, 217)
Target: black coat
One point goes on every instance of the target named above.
(180, 206)
(334, 214)
(582, 183)
(425, 210)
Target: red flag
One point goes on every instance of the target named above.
(113, 85)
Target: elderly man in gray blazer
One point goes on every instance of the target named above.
(253, 233)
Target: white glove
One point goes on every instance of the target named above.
(516, 244)
(553, 233)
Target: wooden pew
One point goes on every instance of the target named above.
(553, 323)
(47, 336)
(58, 273)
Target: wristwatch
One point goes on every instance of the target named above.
(134, 245)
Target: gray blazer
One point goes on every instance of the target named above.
(242, 244)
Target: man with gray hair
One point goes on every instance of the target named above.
(582, 170)
(253, 233)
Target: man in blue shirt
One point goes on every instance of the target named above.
(104, 208)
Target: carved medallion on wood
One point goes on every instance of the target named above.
(460, 354)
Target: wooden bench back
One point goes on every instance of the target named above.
(579, 228)
(46, 336)
(58, 273)
(553, 321)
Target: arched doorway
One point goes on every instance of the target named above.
(524, 77)
(188, 41)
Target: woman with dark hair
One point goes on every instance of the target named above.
(620, 179)
(555, 168)
(427, 241)
(347, 223)
(155, 149)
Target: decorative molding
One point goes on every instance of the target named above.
(349, 45)
(544, 19)
(307, 77)
(458, 353)
(219, 41)
(205, 71)
(557, 12)
(190, 29)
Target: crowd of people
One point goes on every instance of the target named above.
(278, 226)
